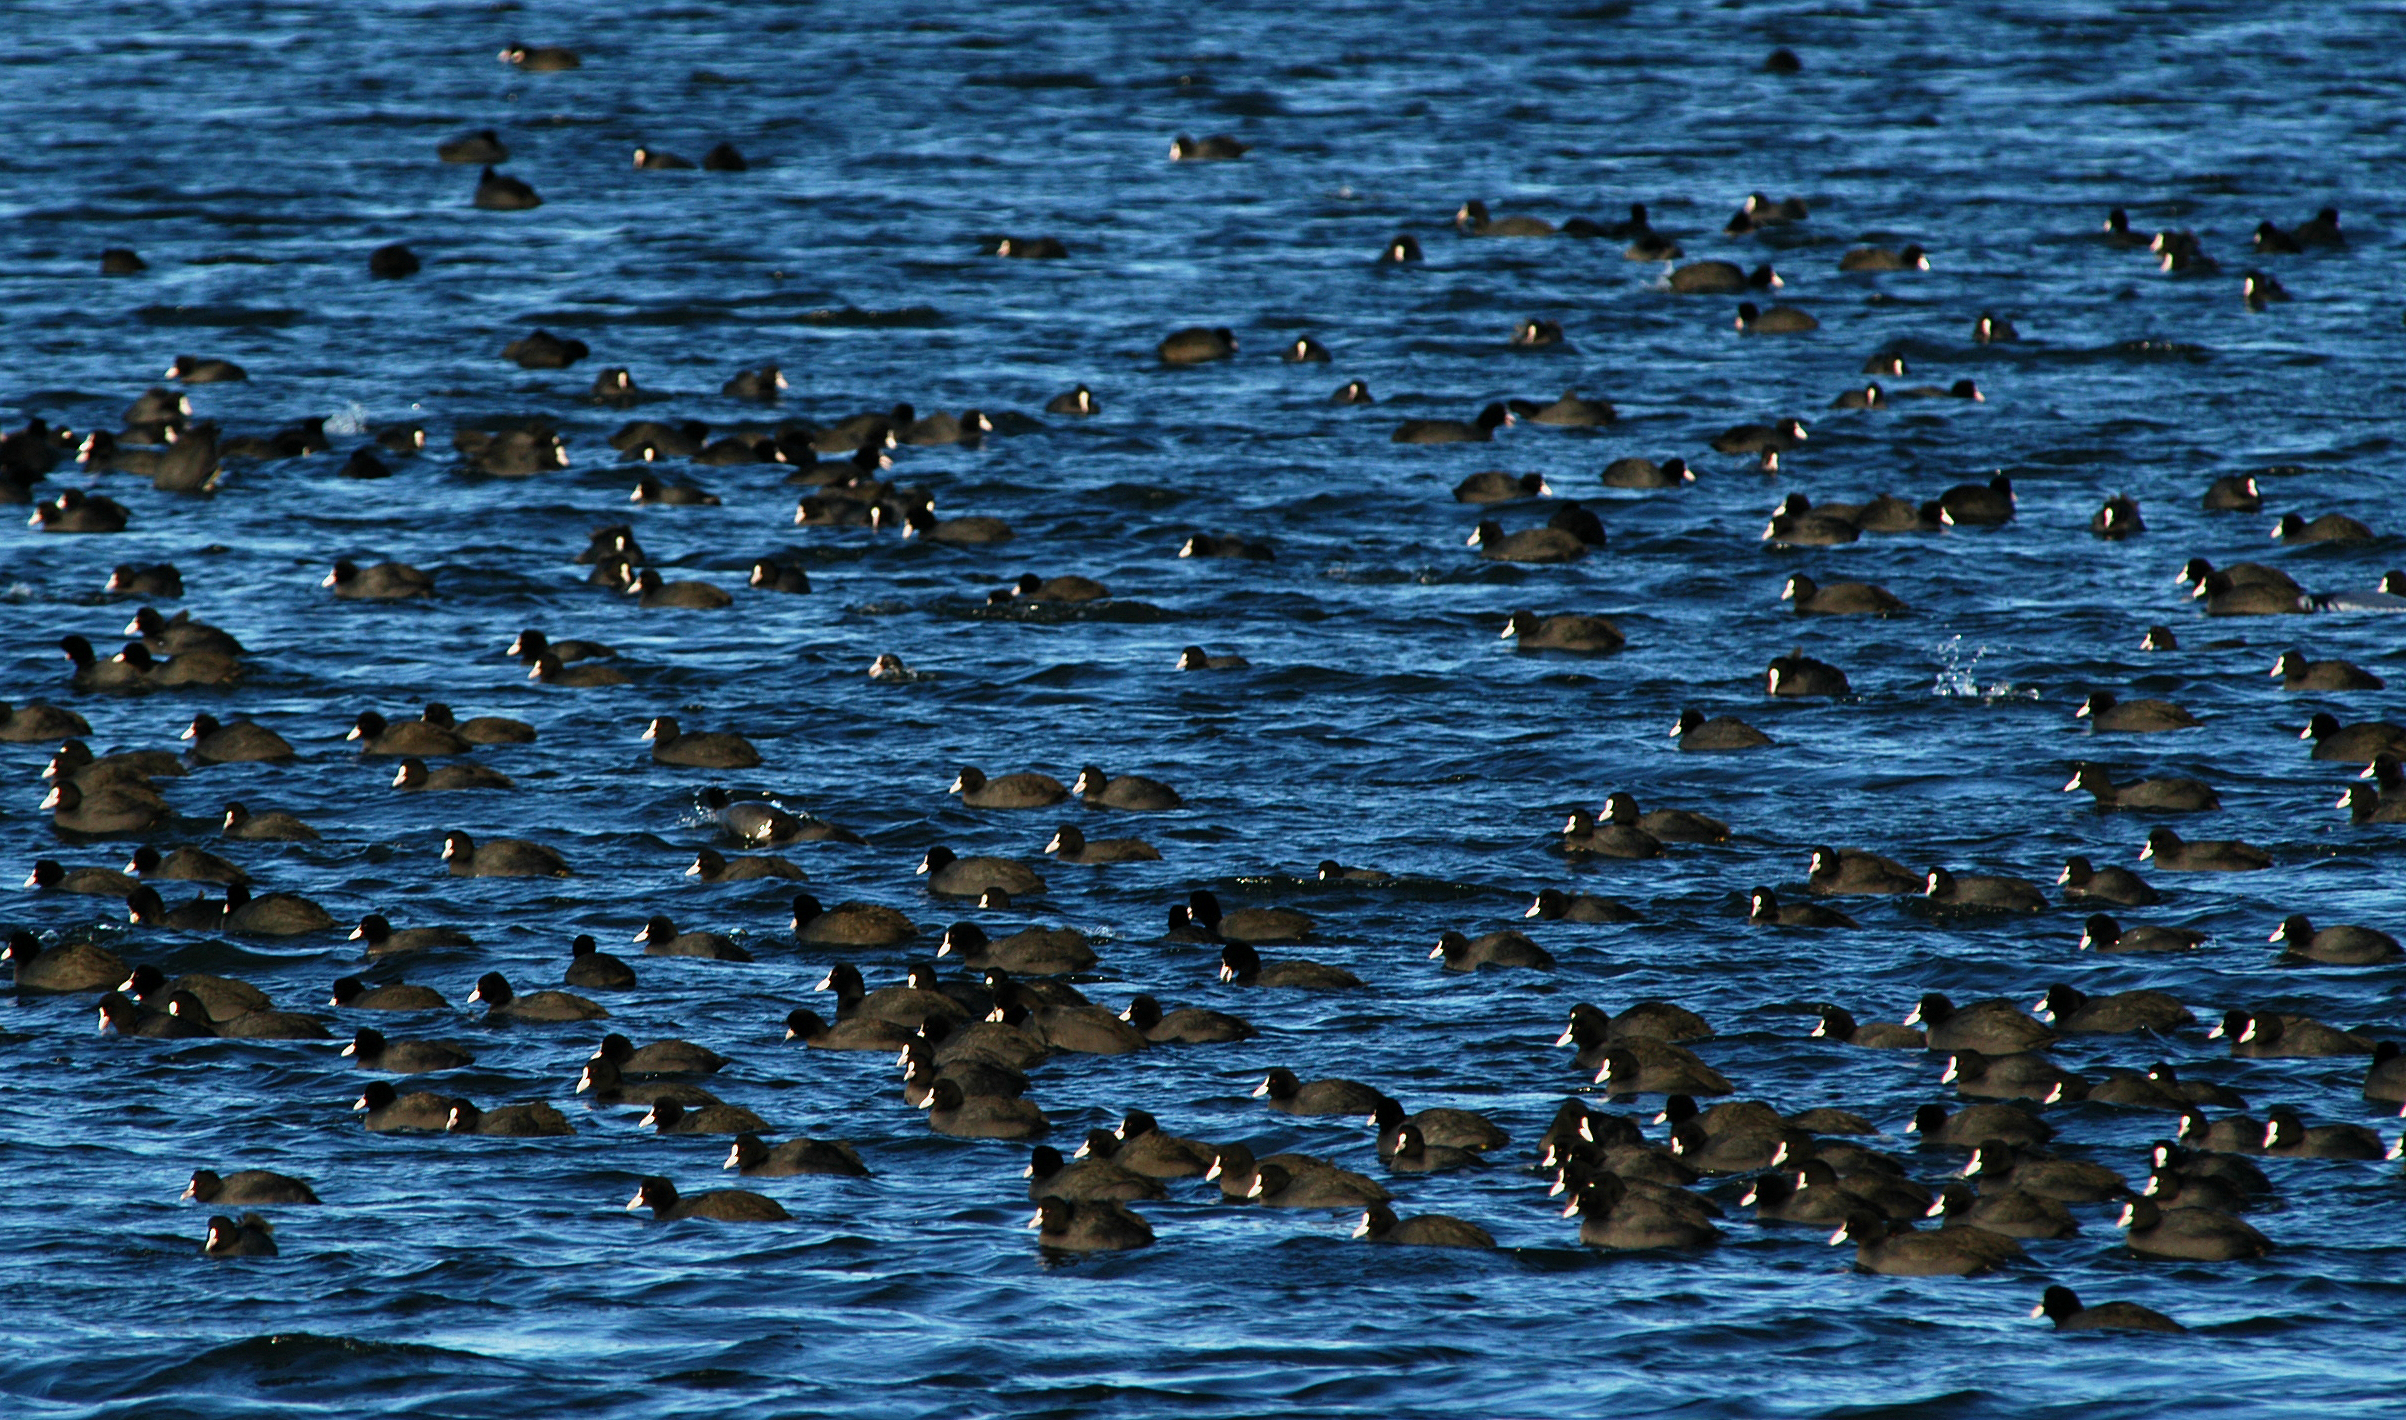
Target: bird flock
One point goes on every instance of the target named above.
(1655, 1148)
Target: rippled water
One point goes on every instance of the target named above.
(255, 153)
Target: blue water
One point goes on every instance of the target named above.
(255, 153)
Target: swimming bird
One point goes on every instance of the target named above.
(382, 938)
(1721, 278)
(352, 993)
(2167, 850)
(2188, 1234)
(1473, 220)
(1380, 1225)
(2165, 795)
(385, 581)
(1779, 320)
(1896, 1249)
(1242, 965)
(2360, 743)
(68, 968)
(1217, 148)
(1090, 1226)
(709, 750)
(1724, 732)
(1494, 949)
(2103, 934)
(2062, 1306)
(722, 1205)
(253, 1236)
(1197, 345)
(2333, 946)
(545, 1007)
(1909, 258)
(1840, 598)
(1840, 872)
(1069, 844)
(661, 938)
(1455, 431)
(371, 1051)
(501, 858)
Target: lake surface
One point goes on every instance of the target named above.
(255, 153)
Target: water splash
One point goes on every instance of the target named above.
(1958, 675)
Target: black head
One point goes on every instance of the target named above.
(804, 1025)
(2058, 1304)
(493, 989)
(142, 904)
(1836, 1023)
(845, 980)
(1589, 1027)
(600, 1075)
(1601, 1194)
(615, 1048)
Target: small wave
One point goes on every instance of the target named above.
(220, 317)
(906, 316)
(1073, 79)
